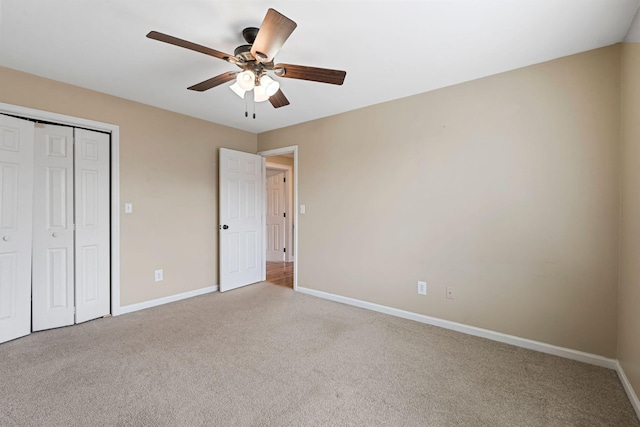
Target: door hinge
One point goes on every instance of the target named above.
(284, 180)
(285, 249)
(285, 214)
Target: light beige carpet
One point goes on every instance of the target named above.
(265, 355)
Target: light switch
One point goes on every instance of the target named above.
(128, 208)
(302, 209)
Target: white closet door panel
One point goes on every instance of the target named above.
(93, 279)
(16, 206)
(53, 235)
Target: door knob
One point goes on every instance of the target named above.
(6, 238)
(54, 234)
(225, 227)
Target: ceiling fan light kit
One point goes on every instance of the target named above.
(256, 59)
(237, 89)
(246, 80)
(271, 86)
(260, 94)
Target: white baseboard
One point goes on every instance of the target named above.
(567, 353)
(172, 298)
(633, 397)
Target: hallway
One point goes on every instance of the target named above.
(280, 273)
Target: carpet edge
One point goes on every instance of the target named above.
(165, 300)
(628, 388)
(567, 353)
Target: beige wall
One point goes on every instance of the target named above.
(506, 188)
(167, 170)
(629, 300)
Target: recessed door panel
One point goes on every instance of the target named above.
(53, 234)
(233, 199)
(8, 285)
(89, 258)
(251, 202)
(233, 251)
(9, 196)
(16, 207)
(89, 193)
(57, 282)
(57, 198)
(251, 250)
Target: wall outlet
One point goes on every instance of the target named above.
(450, 292)
(158, 275)
(422, 288)
(128, 208)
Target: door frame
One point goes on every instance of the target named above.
(114, 131)
(277, 152)
(288, 206)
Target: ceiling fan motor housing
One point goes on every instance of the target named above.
(243, 53)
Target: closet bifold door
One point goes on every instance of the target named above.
(16, 205)
(92, 202)
(53, 236)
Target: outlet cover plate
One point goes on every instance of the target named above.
(422, 288)
(450, 292)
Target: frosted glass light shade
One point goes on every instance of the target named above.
(246, 80)
(271, 86)
(260, 94)
(237, 89)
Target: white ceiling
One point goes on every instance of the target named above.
(390, 49)
(633, 35)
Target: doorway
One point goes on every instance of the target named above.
(281, 219)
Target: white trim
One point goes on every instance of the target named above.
(633, 397)
(296, 221)
(166, 300)
(115, 221)
(264, 221)
(289, 257)
(114, 130)
(567, 353)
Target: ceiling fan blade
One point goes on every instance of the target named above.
(214, 81)
(314, 74)
(188, 45)
(274, 31)
(278, 99)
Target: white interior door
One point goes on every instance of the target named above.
(275, 215)
(92, 245)
(16, 206)
(240, 233)
(53, 236)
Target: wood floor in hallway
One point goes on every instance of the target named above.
(280, 273)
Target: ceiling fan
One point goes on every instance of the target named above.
(255, 59)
